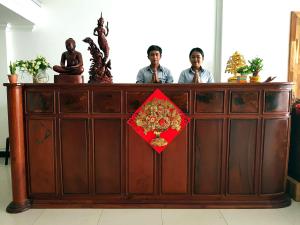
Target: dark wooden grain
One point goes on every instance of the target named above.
(274, 159)
(241, 156)
(42, 175)
(107, 153)
(74, 154)
(207, 156)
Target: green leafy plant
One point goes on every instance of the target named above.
(33, 67)
(243, 70)
(12, 68)
(256, 65)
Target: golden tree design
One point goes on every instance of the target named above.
(158, 115)
(234, 62)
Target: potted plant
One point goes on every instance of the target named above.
(36, 68)
(243, 71)
(12, 77)
(256, 65)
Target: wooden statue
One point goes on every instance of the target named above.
(71, 62)
(101, 33)
(100, 67)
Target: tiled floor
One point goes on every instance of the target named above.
(284, 216)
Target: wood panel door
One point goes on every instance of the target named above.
(175, 165)
(41, 156)
(74, 156)
(274, 158)
(207, 156)
(107, 156)
(241, 156)
(141, 161)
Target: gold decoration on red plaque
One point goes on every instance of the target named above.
(158, 120)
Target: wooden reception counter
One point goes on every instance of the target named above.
(71, 147)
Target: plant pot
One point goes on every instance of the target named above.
(242, 79)
(255, 79)
(13, 78)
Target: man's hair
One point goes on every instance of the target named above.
(197, 50)
(154, 48)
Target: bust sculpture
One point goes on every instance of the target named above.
(71, 62)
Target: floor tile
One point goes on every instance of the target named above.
(283, 216)
(25, 218)
(255, 217)
(131, 217)
(192, 217)
(69, 217)
(291, 213)
(5, 182)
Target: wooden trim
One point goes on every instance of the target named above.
(294, 53)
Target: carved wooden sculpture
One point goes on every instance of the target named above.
(101, 33)
(100, 69)
(71, 62)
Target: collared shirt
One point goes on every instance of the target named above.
(145, 75)
(187, 76)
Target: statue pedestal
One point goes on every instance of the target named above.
(68, 79)
(101, 80)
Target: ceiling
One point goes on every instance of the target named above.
(9, 16)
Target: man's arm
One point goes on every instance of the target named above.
(140, 77)
(169, 77)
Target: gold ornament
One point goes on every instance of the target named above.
(158, 115)
(235, 61)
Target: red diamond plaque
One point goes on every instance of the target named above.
(158, 120)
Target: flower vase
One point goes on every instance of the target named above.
(41, 77)
(158, 141)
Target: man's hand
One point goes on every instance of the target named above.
(155, 78)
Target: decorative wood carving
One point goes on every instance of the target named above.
(100, 67)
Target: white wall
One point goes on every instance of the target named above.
(134, 25)
(177, 26)
(3, 79)
(258, 28)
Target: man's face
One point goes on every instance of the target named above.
(154, 57)
(196, 60)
